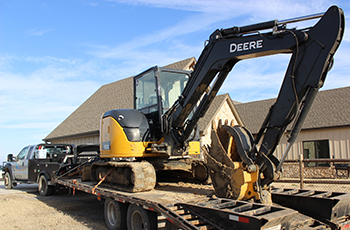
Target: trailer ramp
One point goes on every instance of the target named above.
(232, 214)
(331, 208)
(178, 217)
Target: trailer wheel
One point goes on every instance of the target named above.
(44, 188)
(8, 181)
(139, 219)
(115, 214)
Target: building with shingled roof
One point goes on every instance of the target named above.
(82, 126)
(326, 129)
(325, 133)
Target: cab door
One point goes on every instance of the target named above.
(20, 169)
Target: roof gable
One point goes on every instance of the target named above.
(214, 108)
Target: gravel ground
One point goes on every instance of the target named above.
(23, 208)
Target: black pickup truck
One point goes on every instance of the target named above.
(36, 164)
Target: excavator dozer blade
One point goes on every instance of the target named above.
(227, 170)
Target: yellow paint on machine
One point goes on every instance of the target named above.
(115, 144)
(243, 182)
(194, 148)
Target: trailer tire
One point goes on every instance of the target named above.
(115, 214)
(139, 219)
(44, 188)
(8, 181)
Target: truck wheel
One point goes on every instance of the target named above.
(115, 214)
(8, 181)
(138, 218)
(44, 188)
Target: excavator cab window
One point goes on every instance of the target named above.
(172, 84)
(165, 85)
(146, 92)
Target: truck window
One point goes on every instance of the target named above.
(30, 153)
(49, 152)
(21, 155)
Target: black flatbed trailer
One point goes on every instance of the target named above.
(190, 206)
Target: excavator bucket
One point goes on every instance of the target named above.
(232, 171)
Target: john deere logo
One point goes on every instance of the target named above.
(251, 45)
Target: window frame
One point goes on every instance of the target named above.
(316, 152)
(25, 150)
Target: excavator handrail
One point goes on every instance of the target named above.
(299, 19)
(268, 24)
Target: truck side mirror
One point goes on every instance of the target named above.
(9, 157)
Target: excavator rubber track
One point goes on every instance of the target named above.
(124, 176)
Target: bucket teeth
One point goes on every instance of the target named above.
(227, 141)
(220, 142)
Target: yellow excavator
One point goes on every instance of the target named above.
(160, 135)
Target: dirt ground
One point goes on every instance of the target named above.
(23, 208)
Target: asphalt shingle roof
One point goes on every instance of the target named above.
(331, 108)
(184, 64)
(116, 95)
(87, 117)
(213, 108)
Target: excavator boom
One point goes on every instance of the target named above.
(312, 50)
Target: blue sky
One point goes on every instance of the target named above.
(55, 54)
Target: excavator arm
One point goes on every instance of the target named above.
(312, 50)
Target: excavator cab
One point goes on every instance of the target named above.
(138, 132)
(130, 137)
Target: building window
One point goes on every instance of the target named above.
(316, 150)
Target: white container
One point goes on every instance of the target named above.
(40, 154)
